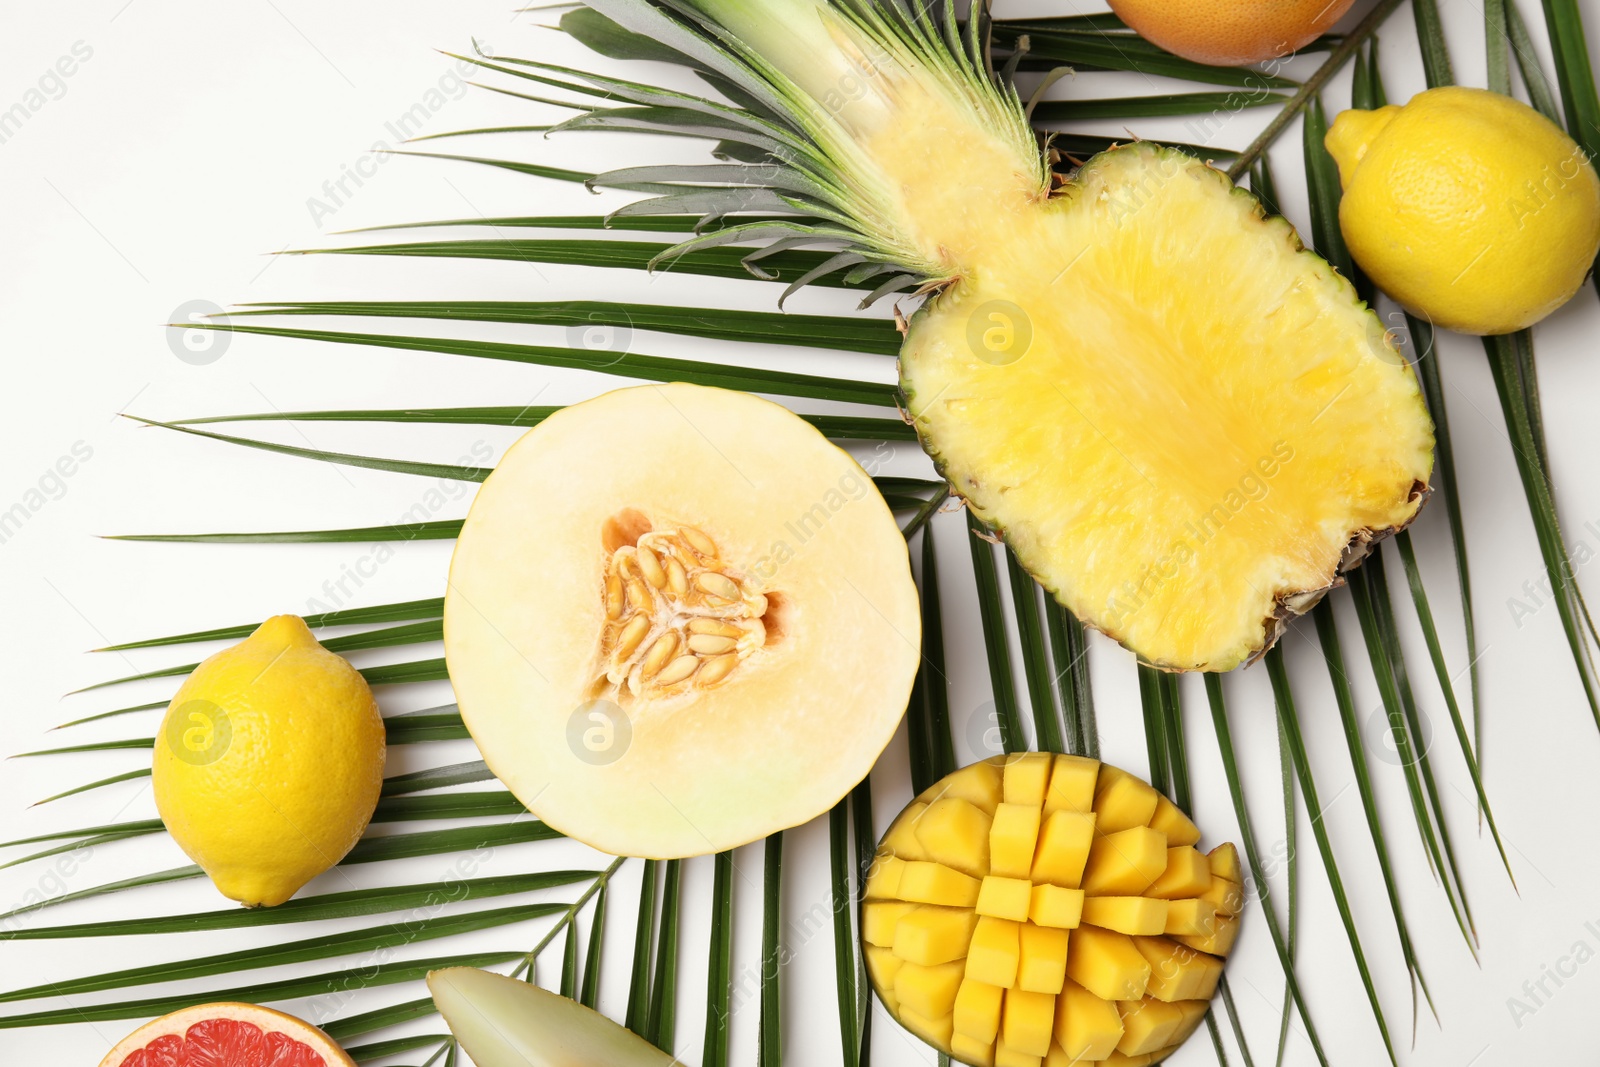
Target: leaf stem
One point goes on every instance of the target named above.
(1297, 103)
(572, 910)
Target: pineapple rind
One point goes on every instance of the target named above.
(1096, 451)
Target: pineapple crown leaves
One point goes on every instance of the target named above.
(783, 152)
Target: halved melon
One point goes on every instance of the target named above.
(679, 620)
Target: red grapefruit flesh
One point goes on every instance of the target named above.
(227, 1035)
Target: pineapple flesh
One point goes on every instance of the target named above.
(1180, 420)
(1183, 423)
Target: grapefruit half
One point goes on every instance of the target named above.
(227, 1035)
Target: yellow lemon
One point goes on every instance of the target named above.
(269, 763)
(1467, 207)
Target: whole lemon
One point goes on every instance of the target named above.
(1467, 207)
(269, 763)
(1231, 33)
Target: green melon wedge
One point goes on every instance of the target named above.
(503, 1022)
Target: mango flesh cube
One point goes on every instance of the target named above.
(901, 840)
(1188, 874)
(934, 883)
(1005, 898)
(928, 991)
(1126, 915)
(1010, 1057)
(1066, 841)
(1147, 1025)
(1193, 917)
(978, 784)
(955, 832)
(1219, 942)
(1225, 863)
(992, 955)
(971, 1050)
(882, 966)
(1170, 820)
(1193, 1011)
(1117, 1059)
(931, 935)
(977, 1010)
(1177, 972)
(1041, 959)
(1012, 838)
(1053, 905)
(1027, 776)
(935, 1032)
(1072, 782)
(1027, 1022)
(1107, 964)
(883, 883)
(1087, 1027)
(1122, 801)
(1125, 863)
(1227, 897)
(879, 919)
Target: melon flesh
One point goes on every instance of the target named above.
(679, 620)
(503, 1022)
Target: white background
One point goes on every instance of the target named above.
(191, 142)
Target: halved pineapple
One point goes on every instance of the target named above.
(1000, 934)
(1185, 425)
(1204, 427)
